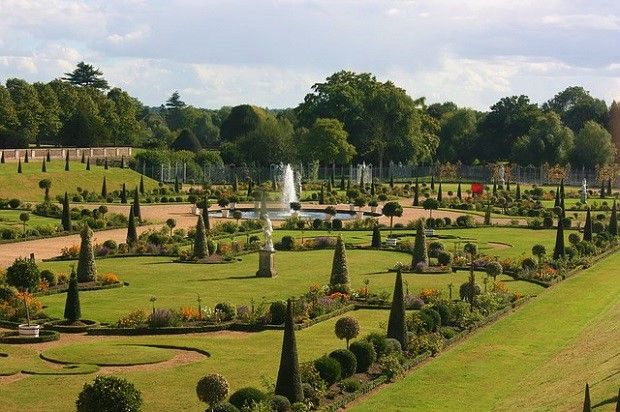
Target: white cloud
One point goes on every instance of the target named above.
(588, 21)
(140, 33)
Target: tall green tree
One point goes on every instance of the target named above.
(458, 136)
(132, 233)
(548, 140)
(593, 146)
(87, 76)
(288, 383)
(339, 278)
(73, 311)
(201, 249)
(397, 325)
(174, 112)
(28, 109)
(104, 188)
(327, 142)
(86, 269)
(50, 116)
(576, 106)
(558, 250)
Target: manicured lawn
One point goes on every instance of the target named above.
(177, 284)
(25, 186)
(536, 359)
(10, 218)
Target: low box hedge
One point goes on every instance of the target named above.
(15, 338)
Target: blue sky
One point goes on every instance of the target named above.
(270, 52)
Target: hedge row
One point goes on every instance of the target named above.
(173, 330)
(82, 288)
(44, 336)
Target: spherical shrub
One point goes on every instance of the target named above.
(227, 310)
(110, 244)
(529, 264)
(444, 258)
(434, 248)
(337, 224)
(212, 389)
(329, 369)
(109, 394)
(49, 277)
(574, 238)
(225, 407)
(246, 397)
(279, 403)
(347, 361)
(23, 274)
(7, 293)
(598, 227)
(467, 292)
(287, 243)
(392, 346)
(445, 313)
(494, 269)
(547, 221)
(278, 312)
(377, 340)
(431, 319)
(350, 385)
(365, 355)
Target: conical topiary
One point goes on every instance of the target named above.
(205, 214)
(201, 249)
(104, 188)
(494, 188)
(288, 383)
(86, 270)
(19, 165)
(2, 157)
(508, 185)
(136, 205)
(122, 161)
(132, 234)
(420, 253)
(26, 157)
(235, 184)
(587, 405)
(609, 188)
(518, 192)
(613, 221)
(432, 182)
(83, 160)
(48, 157)
(177, 187)
(397, 325)
(124, 194)
(66, 214)
(88, 163)
(105, 163)
(67, 162)
(487, 215)
(416, 193)
(587, 227)
(376, 237)
(440, 193)
(343, 183)
(459, 194)
(72, 303)
(141, 184)
(340, 272)
(322, 195)
(559, 250)
(44, 166)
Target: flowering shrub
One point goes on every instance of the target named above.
(413, 302)
(189, 313)
(62, 278)
(70, 252)
(13, 308)
(132, 319)
(108, 278)
(163, 318)
(430, 295)
(500, 287)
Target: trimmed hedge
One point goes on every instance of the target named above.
(59, 327)
(173, 330)
(44, 336)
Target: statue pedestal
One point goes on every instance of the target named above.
(265, 264)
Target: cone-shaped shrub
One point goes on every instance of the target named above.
(494, 188)
(288, 383)
(49, 156)
(397, 326)
(376, 237)
(72, 303)
(132, 234)
(459, 194)
(124, 194)
(104, 188)
(613, 221)
(19, 166)
(205, 214)
(559, 250)
(420, 253)
(122, 161)
(66, 213)
(432, 182)
(67, 162)
(556, 203)
(587, 406)
(86, 270)
(609, 188)
(201, 249)
(83, 160)
(177, 186)
(88, 164)
(105, 163)
(136, 205)
(26, 157)
(440, 193)
(340, 271)
(487, 215)
(587, 228)
(391, 180)
(518, 192)
(44, 166)
(416, 193)
(141, 184)
(2, 157)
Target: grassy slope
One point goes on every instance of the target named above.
(176, 284)
(25, 186)
(537, 359)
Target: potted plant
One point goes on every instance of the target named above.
(373, 205)
(360, 202)
(223, 202)
(295, 207)
(27, 329)
(330, 212)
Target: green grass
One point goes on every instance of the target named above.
(536, 359)
(25, 186)
(10, 219)
(111, 354)
(177, 284)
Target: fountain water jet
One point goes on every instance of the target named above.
(289, 194)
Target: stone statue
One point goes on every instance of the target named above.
(268, 233)
(584, 191)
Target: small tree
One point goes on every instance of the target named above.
(44, 166)
(420, 252)
(141, 184)
(48, 157)
(83, 160)
(459, 194)
(124, 194)
(104, 188)
(24, 217)
(397, 325)
(288, 383)
(23, 274)
(376, 237)
(430, 204)
(539, 251)
(19, 166)
(132, 233)
(107, 394)
(212, 390)
(66, 214)
(494, 269)
(171, 223)
(45, 184)
(518, 193)
(469, 290)
(440, 193)
(347, 328)
(391, 209)
(201, 249)
(86, 270)
(471, 249)
(72, 302)
(105, 163)
(67, 162)
(237, 215)
(340, 272)
(26, 157)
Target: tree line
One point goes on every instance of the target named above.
(348, 117)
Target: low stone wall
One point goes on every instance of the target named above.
(75, 153)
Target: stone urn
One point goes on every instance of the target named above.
(29, 331)
(225, 212)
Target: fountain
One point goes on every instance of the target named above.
(289, 194)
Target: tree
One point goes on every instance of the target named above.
(141, 184)
(539, 251)
(416, 193)
(136, 205)
(614, 129)
(420, 252)
(391, 209)
(72, 302)
(86, 75)
(327, 142)
(339, 278)
(132, 234)
(86, 270)
(19, 165)
(440, 193)
(459, 194)
(613, 221)
(212, 389)
(458, 136)
(430, 204)
(23, 274)
(487, 215)
(576, 107)
(288, 383)
(518, 193)
(66, 214)
(593, 146)
(559, 250)
(494, 269)
(171, 223)
(45, 184)
(587, 407)
(44, 166)
(50, 116)
(88, 163)
(587, 227)
(201, 249)
(376, 237)
(347, 328)
(123, 195)
(24, 217)
(104, 188)
(186, 141)
(469, 290)
(397, 325)
(109, 394)
(548, 140)
(67, 162)
(28, 109)
(175, 109)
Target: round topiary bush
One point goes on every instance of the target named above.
(347, 328)
(431, 319)
(347, 361)
(529, 264)
(225, 407)
(49, 277)
(392, 346)
(109, 394)
(287, 242)
(445, 313)
(329, 369)
(365, 355)
(227, 310)
(212, 389)
(337, 224)
(377, 340)
(278, 312)
(444, 258)
(23, 274)
(350, 385)
(245, 397)
(435, 247)
(279, 403)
